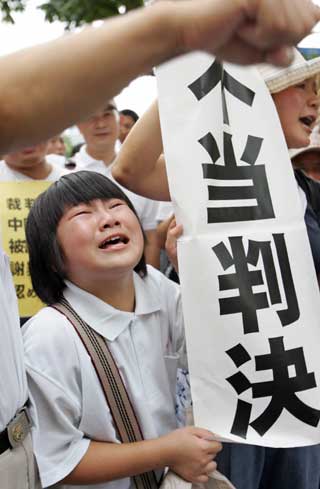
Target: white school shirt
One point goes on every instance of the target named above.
(165, 210)
(9, 175)
(68, 405)
(146, 209)
(13, 382)
(57, 160)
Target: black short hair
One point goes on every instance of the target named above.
(130, 113)
(45, 255)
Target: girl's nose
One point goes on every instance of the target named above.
(107, 219)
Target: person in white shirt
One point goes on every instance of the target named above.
(86, 246)
(100, 132)
(33, 107)
(30, 163)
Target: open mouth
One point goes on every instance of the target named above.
(308, 121)
(113, 240)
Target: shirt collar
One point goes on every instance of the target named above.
(84, 160)
(84, 157)
(105, 319)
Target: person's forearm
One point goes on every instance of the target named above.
(58, 83)
(139, 165)
(187, 451)
(152, 250)
(104, 462)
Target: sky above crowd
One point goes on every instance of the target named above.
(30, 28)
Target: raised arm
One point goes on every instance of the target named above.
(140, 165)
(50, 87)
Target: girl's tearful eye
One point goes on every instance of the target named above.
(81, 213)
(116, 204)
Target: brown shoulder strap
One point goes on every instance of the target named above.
(112, 385)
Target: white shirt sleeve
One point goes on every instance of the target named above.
(148, 213)
(55, 391)
(165, 210)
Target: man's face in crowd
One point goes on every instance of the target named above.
(101, 130)
(309, 162)
(126, 124)
(28, 157)
(57, 146)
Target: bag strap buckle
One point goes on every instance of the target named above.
(19, 428)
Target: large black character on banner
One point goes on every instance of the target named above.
(258, 190)
(249, 302)
(212, 77)
(282, 389)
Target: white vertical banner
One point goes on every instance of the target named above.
(250, 294)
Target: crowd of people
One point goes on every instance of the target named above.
(94, 240)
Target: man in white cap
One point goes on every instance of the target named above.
(34, 107)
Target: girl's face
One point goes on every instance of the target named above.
(99, 240)
(297, 107)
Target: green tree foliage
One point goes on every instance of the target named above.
(77, 12)
(8, 7)
(72, 12)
